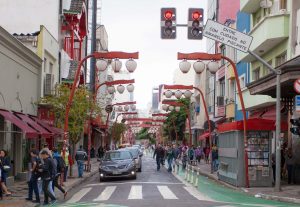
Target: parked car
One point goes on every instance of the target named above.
(137, 155)
(117, 163)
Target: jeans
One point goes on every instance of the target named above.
(158, 162)
(66, 173)
(55, 184)
(170, 165)
(33, 187)
(215, 164)
(47, 193)
(80, 168)
(51, 188)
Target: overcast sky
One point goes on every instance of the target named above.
(134, 25)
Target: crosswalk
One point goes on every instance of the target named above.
(133, 192)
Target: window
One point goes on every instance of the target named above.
(51, 68)
(255, 74)
(280, 59)
(231, 89)
(283, 4)
(45, 64)
(266, 70)
(222, 87)
(242, 81)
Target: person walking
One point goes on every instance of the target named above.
(289, 165)
(80, 157)
(170, 157)
(5, 167)
(206, 154)
(191, 154)
(60, 168)
(159, 154)
(33, 182)
(215, 157)
(47, 174)
(67, 160)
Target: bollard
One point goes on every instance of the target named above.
(185, 174)
(192, 175)
(197, 179)
(188, 174)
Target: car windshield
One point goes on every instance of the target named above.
(134, 152)
(118, 155)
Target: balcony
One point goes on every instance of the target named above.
(267, 34)
(250, 6)
(230, 110)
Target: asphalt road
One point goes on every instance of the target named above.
(150, 189)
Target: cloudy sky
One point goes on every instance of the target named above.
(134, 25)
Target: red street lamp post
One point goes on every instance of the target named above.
(96, 55)
(200, 67)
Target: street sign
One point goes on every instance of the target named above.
(297, 85)
(297, 103)
(227, 35)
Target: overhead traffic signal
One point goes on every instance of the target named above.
(295, 129)
(168, 23)
(195, 24)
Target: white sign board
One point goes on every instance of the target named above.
(297, 103)
(227, 35)
(297, 85)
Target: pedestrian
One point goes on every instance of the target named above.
(80, 157)
(215, 157)
(33, 182)
(92, 152)
(289, 165)
(206, 154)
(47, 174)
(170, 156)
(184, 157)
(46, 147)
(5, 168)
(1, 193)
(191, 154)
(60, 168)
(67, 160)
(159, 154)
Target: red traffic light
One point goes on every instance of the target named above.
(168, 14)
(196, 15)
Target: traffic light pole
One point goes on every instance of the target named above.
(278, 120)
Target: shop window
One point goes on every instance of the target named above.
(255, 74)
(222, 87)
(280, 59)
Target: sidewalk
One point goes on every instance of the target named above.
(20, 189)
(289, 193)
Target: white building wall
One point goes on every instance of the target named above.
(183, 79)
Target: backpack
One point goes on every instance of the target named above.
(61, 165)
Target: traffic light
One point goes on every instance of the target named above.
(295, 129)
(195, 24)
(168, 23)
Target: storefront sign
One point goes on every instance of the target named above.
(227, 35)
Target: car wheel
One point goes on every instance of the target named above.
(140, 169)
(134, 177)
(101, 179)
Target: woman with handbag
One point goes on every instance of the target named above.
(5, 167)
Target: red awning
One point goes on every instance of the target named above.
(27, 130)
(204, 136)
(43, 132)
(55, 131)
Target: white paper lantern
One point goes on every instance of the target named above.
(111, 89)
(178, 94)
(121, 89)
(185, 66)
(165, 107)
(213, 66)
(120, 108)
(188, 94)
(177, 108)
(126, 108)
(116, 65)
(133, 107)
(130, 88)
(168, 94)
(131, 65)
(171, 108)
(199, 67)
(102, 64)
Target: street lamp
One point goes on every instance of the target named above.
(168, 94)
(188, 94)
(164, 107)
(130, 88)
(177, 108)
(102, 64)
(111, 89)
(120, 89)
(184, 66)
(131, 65)
(116, 65)
(199, 66)
(178, 94)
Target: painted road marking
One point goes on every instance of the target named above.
(195, 193)
(135, 192)
(118, 183)
(106, 194)
(79, 195)
(166, 192)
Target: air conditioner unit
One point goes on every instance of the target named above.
(220, 100)
(282, 11)
(48, 84)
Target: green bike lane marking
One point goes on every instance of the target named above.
(87, 205)
(220, 193)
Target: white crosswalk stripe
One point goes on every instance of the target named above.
(166, 192)
(106, 194)
(136, 192)
(79, 195)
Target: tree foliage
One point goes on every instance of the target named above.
(80, 110)
(143, 134)
(178, 119)
(117, 130)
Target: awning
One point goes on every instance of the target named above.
(55, 131)
(42, 131)
(27, 130)
(204, 136)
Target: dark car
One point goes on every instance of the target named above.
(137, 155)
(117, 163)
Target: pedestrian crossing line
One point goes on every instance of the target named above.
(195, 193)
(135, 192)
(79, 195)
(166, 192)
(106, 193)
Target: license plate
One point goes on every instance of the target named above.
(116, 173)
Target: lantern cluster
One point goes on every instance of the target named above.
(120, 89)
(170, 108)
(116, 65)
(178, 94)
(199, 66)
(126, 108)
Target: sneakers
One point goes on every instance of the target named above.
(28, 199)
(65, 195)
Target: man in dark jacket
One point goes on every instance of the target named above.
(33, 182)
(159, 153)
(47, 174)
(80, 157)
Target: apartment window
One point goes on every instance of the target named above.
(280, 59)
(51, 68)
(266, 70)
(242, 81)
(283, 4)
(222, 87)
(255, 74)
(45, 64)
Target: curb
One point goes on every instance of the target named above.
(80, 181)
(278, 198)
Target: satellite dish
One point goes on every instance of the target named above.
(265, 4)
